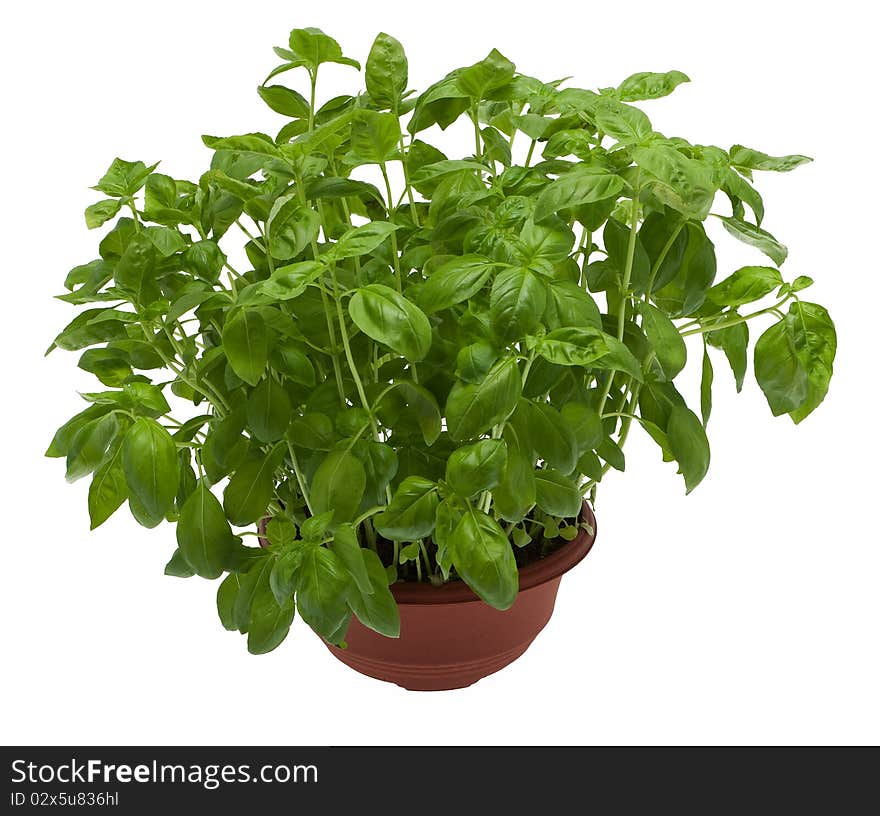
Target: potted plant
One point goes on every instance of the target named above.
(403, 389)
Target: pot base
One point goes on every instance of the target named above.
(436, 677)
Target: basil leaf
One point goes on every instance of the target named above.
(386, 72)
(412, 511)
(149, 460)
(246, 343)
(338, 486)
(484, 558)
(477, 467)
(474, 409)
(389, 318)
(203, 534)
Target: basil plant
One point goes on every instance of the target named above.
(417, 380)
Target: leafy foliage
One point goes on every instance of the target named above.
(417, 383)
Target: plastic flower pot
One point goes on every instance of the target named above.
(449, 638)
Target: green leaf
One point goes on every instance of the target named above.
(169, 241)
(474, 409)
(227, 595)
(374, 137)
(477, 467)
(516, 303)
(706, 378)
(570, 305)
(89, 444)
(353, 556)
(583, 184)
(573, 346)
(688, 444)
(269, 621)
(204, 260)
(284, 101)
(61, 441)
(135, 271)
(314, 47)
(124, 178)
(377, 608)
(411, 513)
(778, 369)
(389, 318)
(361, 240)
(82, 331)
(246, 344)
(484, 558)
(472, 363)
(746, 285)
(108, 489)
(622, 122)
(268, 410)
(687, 185)
(437, 170)
(748, 159)
(666, 342)
(740, 191)
(203, 533)
(258, 145)
(387, 72)
(549, 435)
(322, 587)
(756, 237)
(250, 489)
(101, 212)
(338, 485)
(585, 423)
(612, 453)
(254, 579)
(485, 76)
(686, 291)
(421, 405)
(794, 360)
(291, 227)
(455, 281)
(556, 494)
(177, 566)
(815, 340)
(734, 341)
(542, 246)
(149, 460)
(647, 85)
(515, 496)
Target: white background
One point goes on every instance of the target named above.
(744, 613)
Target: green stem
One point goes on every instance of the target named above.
(726, 324)
(299, 477)
(349, 357)
(662, 257)
(478, 145)
(409, 192)
(314, 81)
(529, 154)
(624, 288)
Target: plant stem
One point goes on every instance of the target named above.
(726, 324)
(529, 154)
(409, 193)
(349, 357)
(624, 288)
(478, 146)
(662, 257)
(314, 81)
(299, 477)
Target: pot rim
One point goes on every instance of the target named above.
(538, 572)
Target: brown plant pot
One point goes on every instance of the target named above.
(449, 638)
